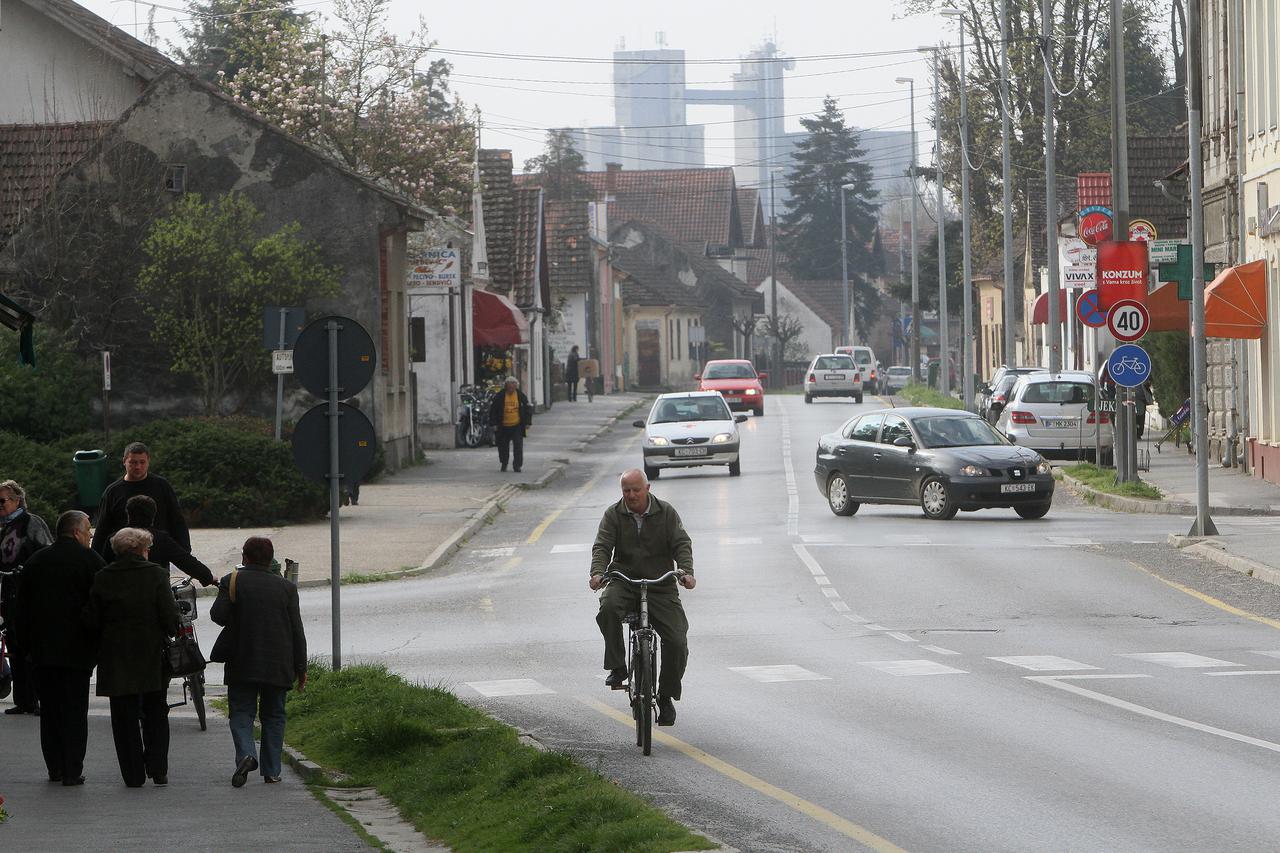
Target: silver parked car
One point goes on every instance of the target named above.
(1049, 412)
(690, 429)
(832, 376)
(896, 378)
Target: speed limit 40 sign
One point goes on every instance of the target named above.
(1128, 320)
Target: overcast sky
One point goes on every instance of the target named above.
(556, 93)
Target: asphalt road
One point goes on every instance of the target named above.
(880, 681)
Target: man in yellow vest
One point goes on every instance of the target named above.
(511, 416)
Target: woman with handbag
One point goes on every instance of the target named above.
(132, 608)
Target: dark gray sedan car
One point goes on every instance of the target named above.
(945, 460)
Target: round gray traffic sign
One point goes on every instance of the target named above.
(357, 444)
(356, 357)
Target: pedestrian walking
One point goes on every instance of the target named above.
(132, 609)
(165, 550)
(511, 415)
(21, 535)
(571, 373)
(265, 651)
(138, 480)
(55, 589)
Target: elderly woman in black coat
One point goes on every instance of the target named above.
(132, 607)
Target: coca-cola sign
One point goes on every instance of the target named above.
(1095, 226)
(1122, 272)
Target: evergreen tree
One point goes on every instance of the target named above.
(228, 35)
(808, 240)
(560, 168)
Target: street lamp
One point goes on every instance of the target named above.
(966, 339)
(847, 326)
(944, 344)
(915, 266)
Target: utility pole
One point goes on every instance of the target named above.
(1010, 314)
(1126, 437)
(773, 289)
(1050, 190)
(915, 244)
(1242, 252)
(944, 348)
(966, 340)
(844, 268)
(1203, 525)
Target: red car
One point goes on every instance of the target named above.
(737, 381)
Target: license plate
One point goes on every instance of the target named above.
(1017, 487)
(833, 377)
(1062, 423)
(690, 451)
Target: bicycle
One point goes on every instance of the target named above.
(642, 659)
(184, 593)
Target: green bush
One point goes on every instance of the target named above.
(44, 472)
(48, 401)
(1170, 369)
(923, 395)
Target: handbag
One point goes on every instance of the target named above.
(228, 638)
(182, 655)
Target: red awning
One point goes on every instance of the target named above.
(1040, 308)
(496, 322)
(1235, 304)
(1168, 312)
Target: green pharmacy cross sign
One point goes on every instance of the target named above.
(1180, 271)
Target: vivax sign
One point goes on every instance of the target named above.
(1122, 272)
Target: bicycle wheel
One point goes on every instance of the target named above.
(195, 685)
(644, 720)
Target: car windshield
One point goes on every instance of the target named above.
(899, 371)
(1058, 392)
(862, 357)
(691, 409)
(729, 371)
(833, 362)
(956, 432)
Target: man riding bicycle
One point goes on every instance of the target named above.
(642, 537)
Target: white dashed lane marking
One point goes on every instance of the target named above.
(742, 540)
(939, 650)
(574, 548)
(1179, 660)
(781, 672)
(1043, 663)
(510, 687)
(490, 553)
(913, 667)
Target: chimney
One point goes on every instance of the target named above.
(611, 177)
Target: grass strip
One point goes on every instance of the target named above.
(923, 395)
(464, 778)
(1104, 480)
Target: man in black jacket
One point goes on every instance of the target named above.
(55, 588)
(265, 652)
(511, 416)
(138, 480)
(165, 551)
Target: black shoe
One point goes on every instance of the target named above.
(517, 470)
(504, 467)
(161, 780)
(246, 766)
(666, 712)
(79, 780)
(616, 680)
(16, 709)
(270, 779)
(55, 777)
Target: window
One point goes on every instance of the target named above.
(729, 371)
(866, 428)
(894, 429)
(833, 362)
(175, 178)
(1057, 392)
(417, 339)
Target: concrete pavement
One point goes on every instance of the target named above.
(410, 521)
(198, 810)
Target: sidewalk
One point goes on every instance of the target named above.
(412, 520)
(1231, 491)
(198, 810)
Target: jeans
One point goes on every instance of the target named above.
(571, 390)
(265, 701)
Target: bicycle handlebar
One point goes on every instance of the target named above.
(617, 575)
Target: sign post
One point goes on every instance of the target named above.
(280, 328)
(106, 394)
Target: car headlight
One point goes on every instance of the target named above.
(972, 471)
(1044, 467)
(750, 391)
(658, 441)
(722, 438)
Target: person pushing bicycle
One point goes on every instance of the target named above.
(643, 537)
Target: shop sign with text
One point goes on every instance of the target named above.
(1122, 272)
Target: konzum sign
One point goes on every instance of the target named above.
(1122, 272)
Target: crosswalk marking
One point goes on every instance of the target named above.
(1043, 663)
(780, 672)
(491, 553)
(939, 650)
(741, 540)
(574, 548)
(1179, 660)
(913, 667)
(510, 687)
(1247, 672)
(1273, 653)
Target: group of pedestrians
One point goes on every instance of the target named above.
(83, 597)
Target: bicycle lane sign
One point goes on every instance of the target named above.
(1129, 365)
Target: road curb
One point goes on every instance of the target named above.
(1123, 503)
(1215, 551)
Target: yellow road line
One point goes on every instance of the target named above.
(1208, 599)
(554, 514)
(845, 827)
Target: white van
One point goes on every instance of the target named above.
(866, 361)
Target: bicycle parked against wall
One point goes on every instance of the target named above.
(473, 428)
(642, 659)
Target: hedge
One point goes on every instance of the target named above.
(228, 472)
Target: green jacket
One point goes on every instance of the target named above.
(647, 553)
(131, 609)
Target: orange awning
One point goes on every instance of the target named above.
(1168, 312)
(1235, 304)
(1040, 308)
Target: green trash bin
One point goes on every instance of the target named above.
(91, 476)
